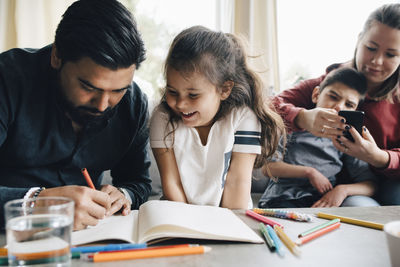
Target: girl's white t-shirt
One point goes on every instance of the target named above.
(203, 168)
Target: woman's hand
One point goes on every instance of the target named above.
(322, 122)
(363, 148)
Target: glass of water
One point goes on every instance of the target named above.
(39, 231)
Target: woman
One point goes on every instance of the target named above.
(377, 56)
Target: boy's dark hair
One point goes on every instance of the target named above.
(347, 76)
(103, 30)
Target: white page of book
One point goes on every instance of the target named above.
(114, 227)
(174, 219)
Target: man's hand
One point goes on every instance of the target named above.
(90, 205)
(117, 199)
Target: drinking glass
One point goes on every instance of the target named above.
(39, 231)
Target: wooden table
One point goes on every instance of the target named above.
(349, 245)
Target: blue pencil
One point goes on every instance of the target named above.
(278, 243)
(110, 247)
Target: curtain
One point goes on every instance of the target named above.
(256, 21)
(27, 23)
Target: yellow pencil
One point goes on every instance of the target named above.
(374, 225)
(287, 241)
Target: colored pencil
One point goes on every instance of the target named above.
(285, 214)
(262, 218)
(287, 241)
(322, 231)
(149, 248)
(3, 252)
(86, 175)
(268, 239)
(110, 247)
(41, 255)
(277, 241)
(316, 228)
(154, 253)
(374, 225)
(3, 261)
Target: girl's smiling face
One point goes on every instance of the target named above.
(193, 98)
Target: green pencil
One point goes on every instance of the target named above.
(316, 228)
(268, 239)
(3, 261)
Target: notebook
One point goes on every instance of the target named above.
(160, 219)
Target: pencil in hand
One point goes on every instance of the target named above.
(87, 178)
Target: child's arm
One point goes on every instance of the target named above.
(238, 181)
(169, 173)
(335, 197)
(285, 170)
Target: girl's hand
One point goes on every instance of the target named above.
(322, 122)
(363, 148)
(319, 181)
(333, 198)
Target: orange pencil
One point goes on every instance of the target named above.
(147, 248)
(317, 233)
(154, 253)
(87, 178)
(42, 255)
(3, 252)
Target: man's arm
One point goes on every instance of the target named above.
(7, 194)
(282, 169)
(132, 172)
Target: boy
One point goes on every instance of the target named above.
(310, 164)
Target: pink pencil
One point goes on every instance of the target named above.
(263, 218)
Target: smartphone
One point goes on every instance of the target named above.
(354, 118)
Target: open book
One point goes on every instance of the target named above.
(158, 219)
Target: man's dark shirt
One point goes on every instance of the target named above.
(38, 146)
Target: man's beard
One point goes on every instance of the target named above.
(86, 116)
(83, 115)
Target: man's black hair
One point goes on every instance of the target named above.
(103, 30)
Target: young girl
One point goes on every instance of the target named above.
(212, 122)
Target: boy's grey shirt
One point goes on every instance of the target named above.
(305, 149)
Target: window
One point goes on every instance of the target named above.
(313, 34)
(159, 21)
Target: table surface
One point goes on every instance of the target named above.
(350, 245)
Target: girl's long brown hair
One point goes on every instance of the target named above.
(221, 57)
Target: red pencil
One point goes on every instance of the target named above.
(87, 178)
(263, 218)
(317, 233)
